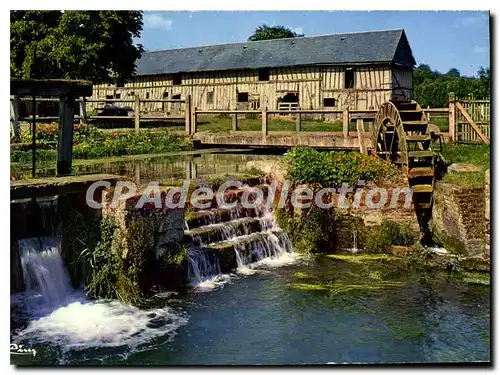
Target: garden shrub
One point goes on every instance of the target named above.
(335, 167)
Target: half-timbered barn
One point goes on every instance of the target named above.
(360, 70)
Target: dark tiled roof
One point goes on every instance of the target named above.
(353, 48)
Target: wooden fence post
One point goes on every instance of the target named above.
(360, 127)
(14, 111)
(451, 117)
(65, 139)
(83, 110)
(194, 122)
(345, 121)
(264, 122)
(137, 116)
(297, 120)
(234, 124)
(188, 115)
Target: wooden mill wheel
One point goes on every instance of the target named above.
(400, 135)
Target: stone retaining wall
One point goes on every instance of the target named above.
(458, 218)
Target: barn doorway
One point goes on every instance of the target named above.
(289, 101)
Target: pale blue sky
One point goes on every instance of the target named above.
(443, 40)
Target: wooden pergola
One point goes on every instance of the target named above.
(67, 91)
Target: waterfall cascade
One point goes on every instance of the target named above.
(251, 235)
(44, 272)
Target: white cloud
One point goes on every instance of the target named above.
(299, 30)
(156, 21)
(480, 49)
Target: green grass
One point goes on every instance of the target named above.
(441, 122)
(223, 124)
(470, 154)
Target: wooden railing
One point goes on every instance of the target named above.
(469, 119)
(136, 112)
(346, 114)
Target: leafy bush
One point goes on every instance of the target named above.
(334, 168)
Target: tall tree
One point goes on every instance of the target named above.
(265, 32)
(453, 72)
(93, 45)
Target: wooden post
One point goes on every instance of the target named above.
(83, 111)
(345, 122)
(297, 120)
(137, 109)
(14, 111)
(33, 138)
(451, 117)
(65, 140)
(264, 122)
(360, 127)
(194, 122)
(188, 115)
(234, 124)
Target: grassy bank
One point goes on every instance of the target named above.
(470, 154)
(223, 124)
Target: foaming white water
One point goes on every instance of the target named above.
(204, 272)
(61, 317)
(212, 283)
(96, 324)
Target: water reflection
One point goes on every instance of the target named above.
(156, 168)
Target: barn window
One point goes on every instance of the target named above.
(349, 78)
(176, 97)
(177, 79)
(147, 95)
(242, 97)
(210, 97)
(329, 102)
(118, 95)
(264, 74)
(109, 96)
(165, 95)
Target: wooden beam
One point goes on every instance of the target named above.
(360, 127)
(65, 139)
(297, 121)
(14, 110)
(188, 115)
(50, 87)
(345, 122)
(83, 110)
(451, 118)
(137, 115)
(472, 123)
(234, 122)
(264, 122)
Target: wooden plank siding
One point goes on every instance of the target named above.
(374, 84)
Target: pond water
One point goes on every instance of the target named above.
(144, 168)
(315, 311)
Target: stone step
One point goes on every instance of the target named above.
(219, 215)
(205, 235)
(255, 246)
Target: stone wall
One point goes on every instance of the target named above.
(458, 218)
(153, 234)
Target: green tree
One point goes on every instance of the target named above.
(92, 45)
(265, 32)
(453, 72)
